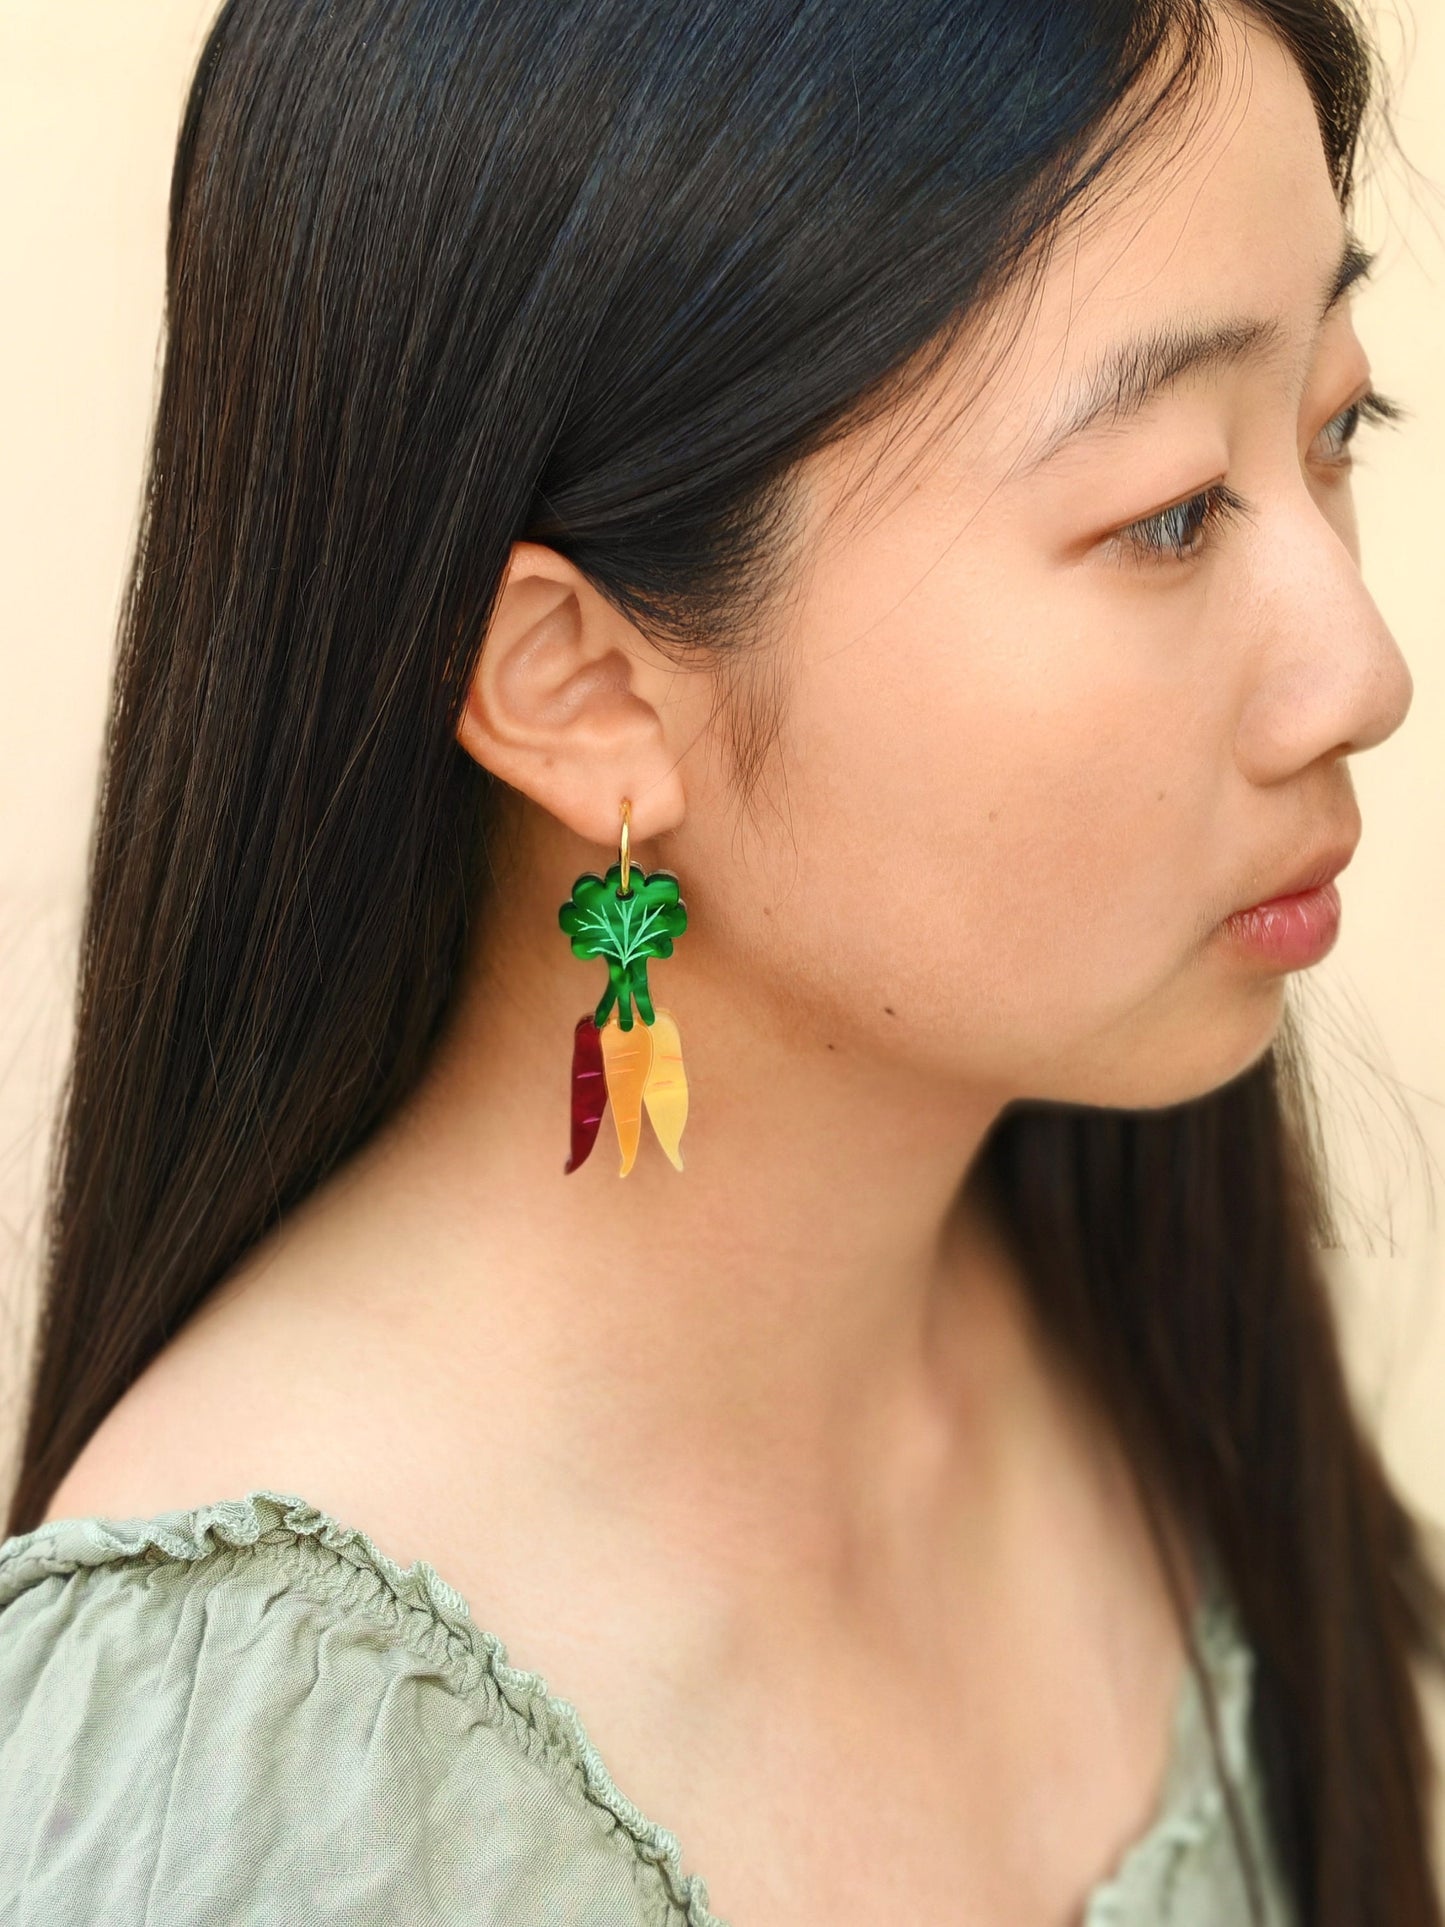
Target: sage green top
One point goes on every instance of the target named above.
(247, 1713)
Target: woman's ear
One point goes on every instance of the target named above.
(571, 705)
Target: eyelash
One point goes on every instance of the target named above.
(1183, 533)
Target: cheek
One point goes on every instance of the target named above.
(999, 794)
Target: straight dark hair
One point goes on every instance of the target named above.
(446, 274)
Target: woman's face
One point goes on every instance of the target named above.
(1042, 734)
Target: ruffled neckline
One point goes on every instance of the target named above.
(1191, 1802)
(1189, 1807)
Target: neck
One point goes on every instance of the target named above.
(810, 1347)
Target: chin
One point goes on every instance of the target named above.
(1152, 1065)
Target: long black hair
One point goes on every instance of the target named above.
(446, 274)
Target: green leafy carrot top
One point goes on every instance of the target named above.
(626, 930)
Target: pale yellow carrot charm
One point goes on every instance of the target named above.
(665, 1092)
(626, 1061)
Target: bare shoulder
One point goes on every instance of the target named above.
(238, 1399)
(294, 1377)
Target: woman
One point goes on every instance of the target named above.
(881, 475)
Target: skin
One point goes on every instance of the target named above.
(771, 1438)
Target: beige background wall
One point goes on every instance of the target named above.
(90, 92)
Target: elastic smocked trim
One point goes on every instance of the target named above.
(1193, 1809)
(424, 1604)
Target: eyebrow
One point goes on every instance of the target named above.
(1132, 372)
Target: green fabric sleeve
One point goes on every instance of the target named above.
(245, 1713)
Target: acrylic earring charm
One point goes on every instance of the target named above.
(626, 917)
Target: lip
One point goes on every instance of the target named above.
(1322, 868)
(1299, 924)
(1287, 933)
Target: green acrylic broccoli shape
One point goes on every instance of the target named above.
(626, 930)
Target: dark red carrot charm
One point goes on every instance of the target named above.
(589, 1089)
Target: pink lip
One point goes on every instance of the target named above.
(1292, 931)
(1319, 870)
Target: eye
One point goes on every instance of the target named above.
(1184, 531)
(1339, 431)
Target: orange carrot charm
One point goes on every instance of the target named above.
(626, 1060)
(665, 1092)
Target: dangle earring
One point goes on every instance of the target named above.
(626, 917)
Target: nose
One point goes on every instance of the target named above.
(1330, 676)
